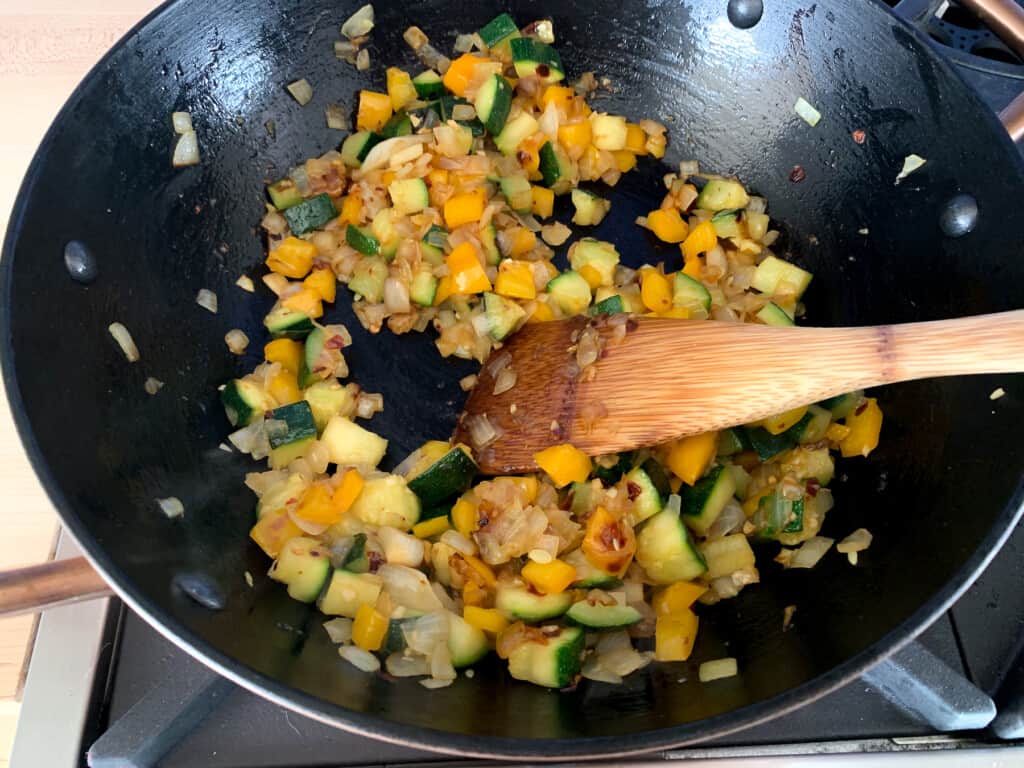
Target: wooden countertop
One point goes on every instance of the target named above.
(45, 49)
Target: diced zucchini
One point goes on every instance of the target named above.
(767, 445)
(348, 591)
(597, 254)
(284, 323)
(730, 442)
(558, 170)
(520, 603)
(704, 501)
(775, 275)
(387, 500)
(582, 496)
(553, 662)
(308, 373)
(493, 102)
(356, 147)
(842, 406)
(665, 549)
(520, 127)
(647, 502)
(659, 477)
(291, 430)
(276, 497)
(773, 314)
(304, 565)
(350, 445)
(503, 315)
(740, 478)
(611, 475)
(383, 229)
(570, 292)
(489, 240)
(516, 190)
(590, 209)
(501, 28)
(812, 430)
(423, 288)
(608, 131)
(534, 58)
(409, 195)
(357, 559)
(805, 464)
(466, 643)
(244, 402)
(398, 124)
(588, 575)
(776, 514)
(394, 640)
(310, 214)
(690, 293)
(284, 194)
(450, 475)
(361, 240)
(433, 244)
(721, 195)
(428, 85)
(368, 279)
(602, 616)
(727, 555)
(327, 399)
(725, 224)
(610, 306)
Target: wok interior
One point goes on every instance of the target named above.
(942, 477)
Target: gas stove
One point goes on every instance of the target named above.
(106, 690)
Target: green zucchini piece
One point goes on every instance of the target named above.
(368, 279)
(520, 603)
(500, 28)
(773, 273)
(812, 430)
(842, 406)
(357, 559)
(690, 293)
(244, 402)
(428, 85)
(310, 214)
(433, 244)
(647, 501)
(284, 194)
(721, 195)
(398, 124)
(409, 195)
(740, 478)
(489, 240)
(731, 442)
(356, 147)
(423, 288)
(284, 323)
(304, 565)
(291, 429)
(570, 292)
(315, 342)
(503, 315)
(520, 127)
(589, 576)
(611, 475)
(327, 399)
(534, 58)
(659, 477)
(776, 515)
(598, 254)
(773, 314)
(610, 306)
(517, 192)
(602, 616)
(553, 663)
(582, 495)
(394, 640)
(452, 474)
(704, 502)
(466, 643)
(590, 208)
(347, 591)
(726, 224)
(493, 102)
(665, 549)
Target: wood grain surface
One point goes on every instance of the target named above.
(46, 47)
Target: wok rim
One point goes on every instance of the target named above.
(431, 740)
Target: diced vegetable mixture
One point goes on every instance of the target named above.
(432, 214)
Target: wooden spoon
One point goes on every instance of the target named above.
(668, 378)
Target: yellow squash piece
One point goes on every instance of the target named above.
(865, 425)
(284, 387)
(464, 209)
(674, 636)
(701, 239)
(400, 88)
(306, 300)
(489, 620)
(564, 464)
(522, 242)
(317, 506)
(560, 95)
(287, 352)
(460, 73)
(273, 530)
(575, 137)
(690, 457)
(591, 274)
(543, 201)
(324, 283)
(351, 209)
(369, 628)
(466, 271)
(542, 313)
(636, 139)
(515, 280)
(292, 257)
(625, 160)
(780, 422)
(836, 433)
(655, 291)
(677, 598)
(465, 517)
(668, 226)
(374, 110)
(549, 578)
(346, 494)
(435, 526)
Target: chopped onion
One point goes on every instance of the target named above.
(810, 115)
(186, 151)
(359, 23)
(757, 205)
(463, 112)
(301, 91)
(403, 665)
(463, 44)
(401, 548)
(252, 439)
(717, 669)
(499, 363)
(548, 122)
(466, 383)
(248, 580)
(207, 299)
(689, 168)
(997, 393)
(182, 122)
(339, 630)
(275, 282)
(810, 552)
(434, 683)
(504, 381)
(415, 38)
(730, 519)
(426, 633)
(481, 432)
(856, 542)
(910, 164)
(545, 31)
(346, 50)
(152, 386)
(593, 670)
(396, 295)
(171, 506)
(245, 283)
(358, 658)
(363, 60)
(458, 542)
(555, 234)
(541, 556)
(409, 587)
(379, 156)
(337, 119)
(237, 341)
(369, 403)
(125, 341)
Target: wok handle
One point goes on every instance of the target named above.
(58, 582)
(1006, 19)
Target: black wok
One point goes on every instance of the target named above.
(939, 494)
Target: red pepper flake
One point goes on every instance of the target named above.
(798, 174)
(375, 559)
(860, 409)
(523, 157)
(336, 341)
(859, 136)
(633, 490)
(813, 486)
(543, 70)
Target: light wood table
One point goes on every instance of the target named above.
(46, 48)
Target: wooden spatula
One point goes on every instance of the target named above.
(669, 378)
